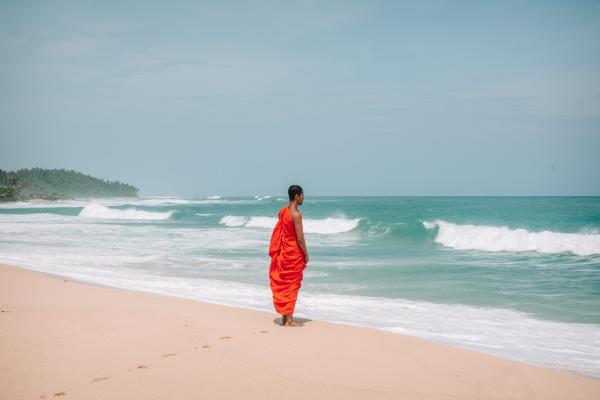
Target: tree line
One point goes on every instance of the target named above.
(55, 184)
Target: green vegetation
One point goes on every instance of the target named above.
(55, 184)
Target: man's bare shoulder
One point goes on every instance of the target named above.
(296, 215)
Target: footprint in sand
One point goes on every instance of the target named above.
(225, 337)
(60, 394)
(264, 331)
(142, 366)
(206, 346)
(169, 355)
(102, 378)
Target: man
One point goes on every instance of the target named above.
(288, 257)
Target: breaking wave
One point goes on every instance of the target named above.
(325, 226)
(502, 238)
(233, 220)
(96, 210)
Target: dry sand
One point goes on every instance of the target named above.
(64, 339)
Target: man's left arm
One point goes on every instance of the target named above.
(297, 217)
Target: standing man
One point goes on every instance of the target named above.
(288, 257)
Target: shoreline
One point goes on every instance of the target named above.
(87, 340)
(578, 372)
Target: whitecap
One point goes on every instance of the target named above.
(262, 222)
(330, 225)
(97, 210)
(502, 238)
(325, 226)
(232, 220)
(42, 204)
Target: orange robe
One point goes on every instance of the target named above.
(287, 263)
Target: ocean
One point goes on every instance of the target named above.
(517, 277)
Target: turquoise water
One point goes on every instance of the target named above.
(513, 276)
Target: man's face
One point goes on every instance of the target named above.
(300, 198)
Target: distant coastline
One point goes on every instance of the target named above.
(58, 184)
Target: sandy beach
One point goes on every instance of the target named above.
(65, 339)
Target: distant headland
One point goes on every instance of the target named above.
(58, 184)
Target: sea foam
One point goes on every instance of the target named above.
(233, 220)
(97, 210)
(262, 222)
(502, 238)
(42, 204)
(325, 226)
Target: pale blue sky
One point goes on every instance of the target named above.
(343, 98)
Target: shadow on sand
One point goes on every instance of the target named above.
(303, 321)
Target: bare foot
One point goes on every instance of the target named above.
(293, 323)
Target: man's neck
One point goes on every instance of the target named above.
(293, 205)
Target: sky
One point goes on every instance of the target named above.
(341, 97)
